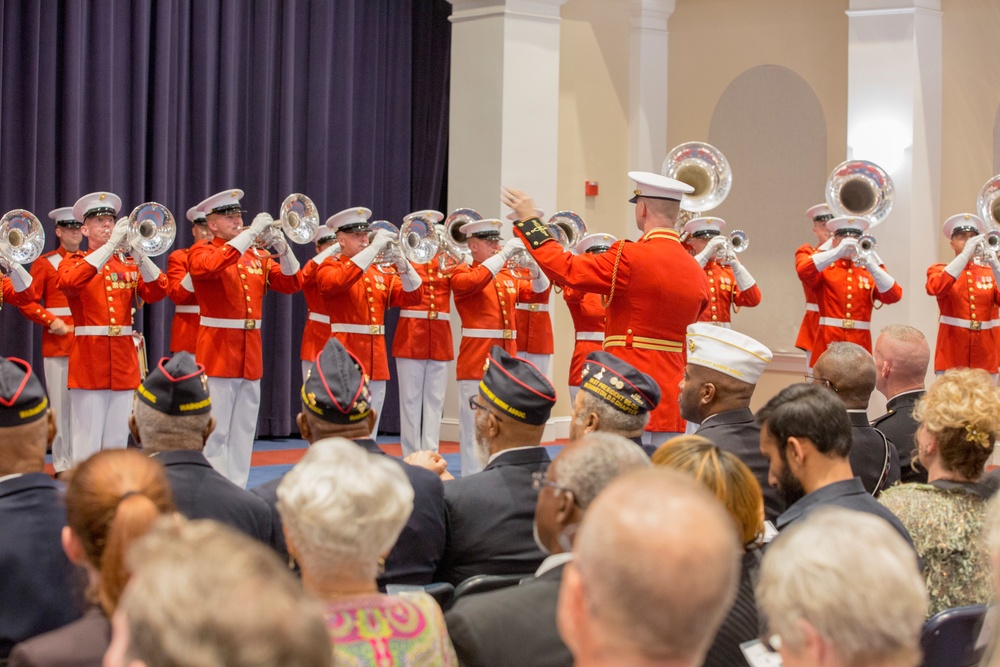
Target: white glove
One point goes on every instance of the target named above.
(289, 262)
(496, 262)
(20, 278)
(743, 278)
(510, 247)
(245, 239)
(883, 281)
(365, 258)
(408, 276)
(260, 222)
(541, 283)
(147, 269)
(824, 259)
(118, 233)
(710, 251)
(280, 246)
(957, 265)
(994, 262)
(332, 249)
(186, 283)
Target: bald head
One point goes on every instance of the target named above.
(851, 370)
(652, 540)
(902, 356)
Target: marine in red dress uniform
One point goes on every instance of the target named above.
(184, 327)
(102, 288)
(819, 215)
(230, 279)
(967, 297)
(730, 284)
(587, 311)
(51, 310)
(846, 292)
(317, 329)
(654, 288)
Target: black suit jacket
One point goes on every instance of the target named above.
(512, 627)
(899, 426)
(200, 492)
(415, 556)
(741, 623)
(82, 643)
(38, 585)
(868, 453)
(736, 431)
(490, 518)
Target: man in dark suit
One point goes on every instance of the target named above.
(482, 626)
(490, 513)
(37, 581)
(847, 370)
(171, 420)
(336, 403)
(902, 356)
(722, 370)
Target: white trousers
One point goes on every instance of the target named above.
(657, 438)
(467, 427)
(235, 403)
(573, 391)
(99, 421)
(421, 403)
(377, 388)
(543, 361)
(56, 379)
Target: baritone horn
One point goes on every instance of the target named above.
(416, 241)
(452, 243)
(22, 238)
(704, 168)
(298, 218)
(568, 228)
(860, 189)
(151, 230)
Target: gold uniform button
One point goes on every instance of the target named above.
(113, 321)
(505, 322)
(366, 279)
(107, 277)
(973, 306)
(246, 287)
(629, 331)
(370, 299)
(243, 276)
(249, 311)
(850, 296)
(711, 289)
(110, 299)
(368, 289)
(714, 308)
(248, 297)
(108, 288)
(715, 318)
(850, 271)
(111, 309)
(968, 273)
(713, 299)
(709, 273)
(372, 309)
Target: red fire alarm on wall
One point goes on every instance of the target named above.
(590, 188)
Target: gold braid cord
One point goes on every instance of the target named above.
(614, 275)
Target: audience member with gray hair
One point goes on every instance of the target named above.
(205, 594)
(842, 589)
(654, 570)
(902, 356)
(517, 626)
(849, 371)
(342, 510)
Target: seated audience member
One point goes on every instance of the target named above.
(113, 498)
(490, 513)
(482, 626)
(959, 419)
(171, 420)
(842, 589)
(849, 371)
(203, 593)
(37, 582)
(901, 360)
(614, 397)
(735, 486)
(655, 568)
(805, 434)
(722, 370)
(342, 509)
(336, 403)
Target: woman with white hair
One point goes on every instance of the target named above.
(342, 511)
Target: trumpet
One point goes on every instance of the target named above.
(860, 189)
(298, 218)
(737, 241)
(522, 265)
(151, 230)
(22, 238)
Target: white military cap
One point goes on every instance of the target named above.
(427, 214)
(704, 226)
(513, 216)
(196, 216)
(963, 222)
(845, 222)
(96, 203)
(655, 186)
(222, 202)
(350, 220)
(483, 229)
(819, 213)
(64, 217)
(727, 351)
(595, 243)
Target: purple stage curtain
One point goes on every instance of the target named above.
(174, 100)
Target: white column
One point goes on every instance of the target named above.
(894, 119)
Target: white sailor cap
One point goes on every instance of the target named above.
(427, 214)
(655, 186)
(64, 217)
(595, 243)
(350, 220)
(845, 223)
(819, 213)
(704, 226)
(482, 229)
(226, 201)
(96, 203)
(963, 222)
(514, 217)
(726, 351)
(196, 216)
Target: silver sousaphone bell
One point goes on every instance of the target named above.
(22, 238)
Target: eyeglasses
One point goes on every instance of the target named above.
(540, 479)
(812, 379)
(474, 405)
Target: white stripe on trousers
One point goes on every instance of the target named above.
(56, 379)
(467, 427)
(235, 403)
(422, 385)
(100, 421)
(377, 388)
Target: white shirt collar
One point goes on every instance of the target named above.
(6, 477)
(504, 451)
(553, 561)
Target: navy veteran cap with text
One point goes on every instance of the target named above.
(336, 387)
(22, 397)
(177, 386)
(619, 383)
(517, 388)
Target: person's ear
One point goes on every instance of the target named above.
(52, 429)
(707, 393)
(592, 423)
(209, 428)
(565, 507)
(303, 424)
(72, 547)
(371, 420)
(795, 451)
(492, 425)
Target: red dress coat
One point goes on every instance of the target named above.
(429, 335)
(8, 295)
(810, 321)
(724, 294)
(317, 330)
(973, 298)
(185, 325)
(105, 299)
(534, 323)
(587, 311)
(49, 304)
(230, 286)
(359, 299)
(659, 289)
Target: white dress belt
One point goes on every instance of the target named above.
(812, 307)
(533, 307)
(190, 310)
(60, 312)
(724, 325)
(967, 324)
(506, 334)
(424, 315)
(590, 335)
(369, 329)
(110, 330)
(223, 323)
(319, 317)
(845, 323)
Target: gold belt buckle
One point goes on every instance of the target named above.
(976, 325)
(432, 315)
(848, 324)
(534, 307)
(374, 329)
(249, 325)
(114, 330)
(508, 334)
